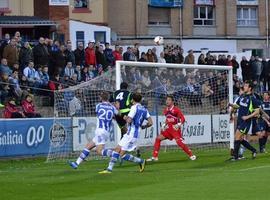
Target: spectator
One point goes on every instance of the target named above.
(11, 53)
(235, 65)
(90, 55)
(202, 60)
(161, 59)
(3, 44)
(246, 70)
(55, 83)
(137, 51)
(145, 80)
(79, 55)
(70, 57)
(150, 56)
(85, 74)
(29, 107)
(69, 70)
(101, 59)
(189, 59)
(45, 76)
(11, 111)
(265, 74)
(4, 68)
(55, 46)
(257, 68)
(4, 89)
(180, 56)
(29, 72)
(78, 71)
(169, 57)
(75, 106)
(143, 57)
(129, 55)
(40, 53)
(58, 61)
(109, 54)
(117, 54)
(25, 55)
(206, 89)
(73, 80)
(154, 52)
(15, 88)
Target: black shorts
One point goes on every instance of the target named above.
(120, 120)
(243, 126)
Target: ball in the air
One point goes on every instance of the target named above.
(159, 40)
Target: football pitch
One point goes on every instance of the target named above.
(174, 176)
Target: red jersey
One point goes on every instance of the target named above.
(173, 115)
(90, 56)
(9, 109)
(28, 107)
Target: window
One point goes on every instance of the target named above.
(3, 4)
(80, 3)
(158, 16)
(204, 15)
(79, 37)
(100, 36)
(247, 16)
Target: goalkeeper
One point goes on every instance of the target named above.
(171, 129)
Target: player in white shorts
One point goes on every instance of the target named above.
(105, 113)
(128, 143)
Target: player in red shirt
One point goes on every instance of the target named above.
(171, 129)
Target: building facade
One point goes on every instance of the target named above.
(217, 25)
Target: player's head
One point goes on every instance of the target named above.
(169, 100)
(123, 86)
(136, 97)
(248, 87)
(104, 96)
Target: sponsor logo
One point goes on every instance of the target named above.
(10, 138)
(35, 136)
(223, 132)
(193, 130)
(58, 135)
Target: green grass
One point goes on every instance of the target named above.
(173, 177)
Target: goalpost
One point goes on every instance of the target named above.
(201, 91)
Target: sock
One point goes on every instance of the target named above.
(261, 140)
(132, 158)
(264, 141)
(156, 147)
(106, 152)
(241, 150)
(248, 146)
(185, 148)
(236, 148)
(114, 158)
(82, 156)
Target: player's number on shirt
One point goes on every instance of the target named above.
(106, 114)
(120, 96)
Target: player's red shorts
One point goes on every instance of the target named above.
(170, 133)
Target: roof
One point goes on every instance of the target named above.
(25, 20)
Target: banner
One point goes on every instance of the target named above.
(84, 130)
(196, 129)
(221, 128)
(247, 2)
(166, 3)
(33, 136)
(205, 2)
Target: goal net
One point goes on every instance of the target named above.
(202, 92)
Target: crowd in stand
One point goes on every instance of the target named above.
(49, 65)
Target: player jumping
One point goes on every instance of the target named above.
(105, 113)
(248, 107)
(135, 119)
(171, 129)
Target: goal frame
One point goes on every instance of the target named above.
(180, 66)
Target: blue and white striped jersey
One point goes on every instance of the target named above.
(138, 114)
(105, 112)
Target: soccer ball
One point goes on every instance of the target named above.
(159, 40)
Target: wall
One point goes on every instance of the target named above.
(21, 7)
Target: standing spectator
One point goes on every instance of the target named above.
(55, 83)
(154, 52)
(253, 67)
(137, 51)
(143, 57)
(265, 74)
(257, 69)
(180, 56)
(161, 59)
(25, 55)
(201, 60)
(55, 46)
(70, 57)
(85, 75)
(4, 68)
(190, 59)
(127, 54)
(28, 107)
(3, 44)
(58, 61)
(79, 55)
(4, 89)
(235, 65)
(117, 54)
(246, 70)
(40, 53)
(150, 56)
(69, 70)
(90, 55)
(14, 84)
(78, 71)
(101, 59)
(169, 57)
(108, 52)
(11, 111)
(11, 53)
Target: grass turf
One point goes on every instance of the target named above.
(173, 177)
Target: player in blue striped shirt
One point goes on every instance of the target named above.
(137, 115)
(105, 113)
